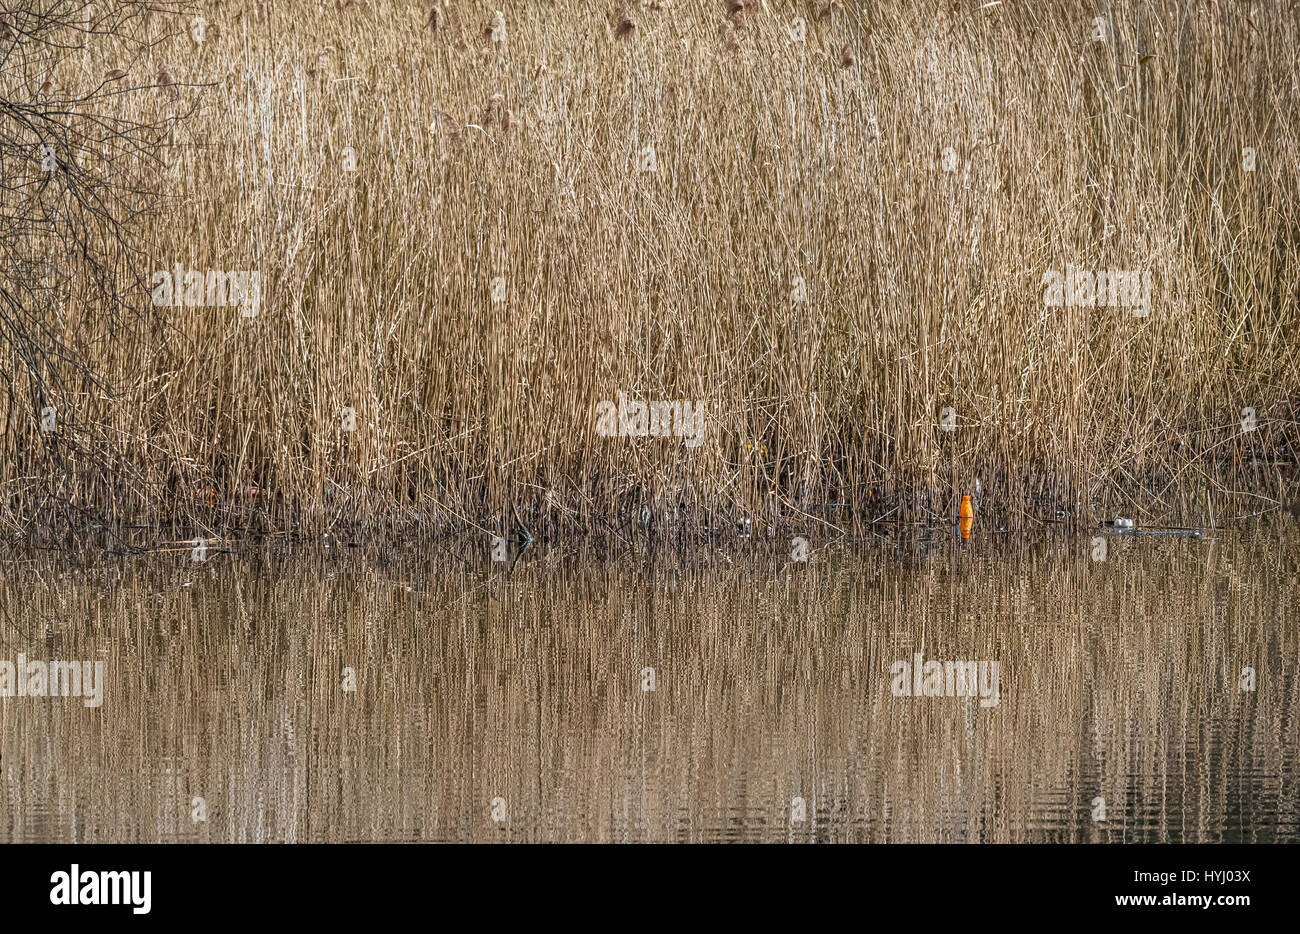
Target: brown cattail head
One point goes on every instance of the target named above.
(496, 112)
(449, 124)
(847, 58)
(728, 33)
(435, 17)
(829, 8)
(625, 26)
(736, 7)
(165, 78)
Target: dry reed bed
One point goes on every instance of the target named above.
(774, 161)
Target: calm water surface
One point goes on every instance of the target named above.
(519, 690)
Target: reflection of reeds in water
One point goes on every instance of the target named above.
(1118, 679)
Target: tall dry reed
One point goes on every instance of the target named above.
(841, 238)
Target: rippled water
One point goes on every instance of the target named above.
(519, 689)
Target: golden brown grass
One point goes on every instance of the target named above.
(775, 161)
